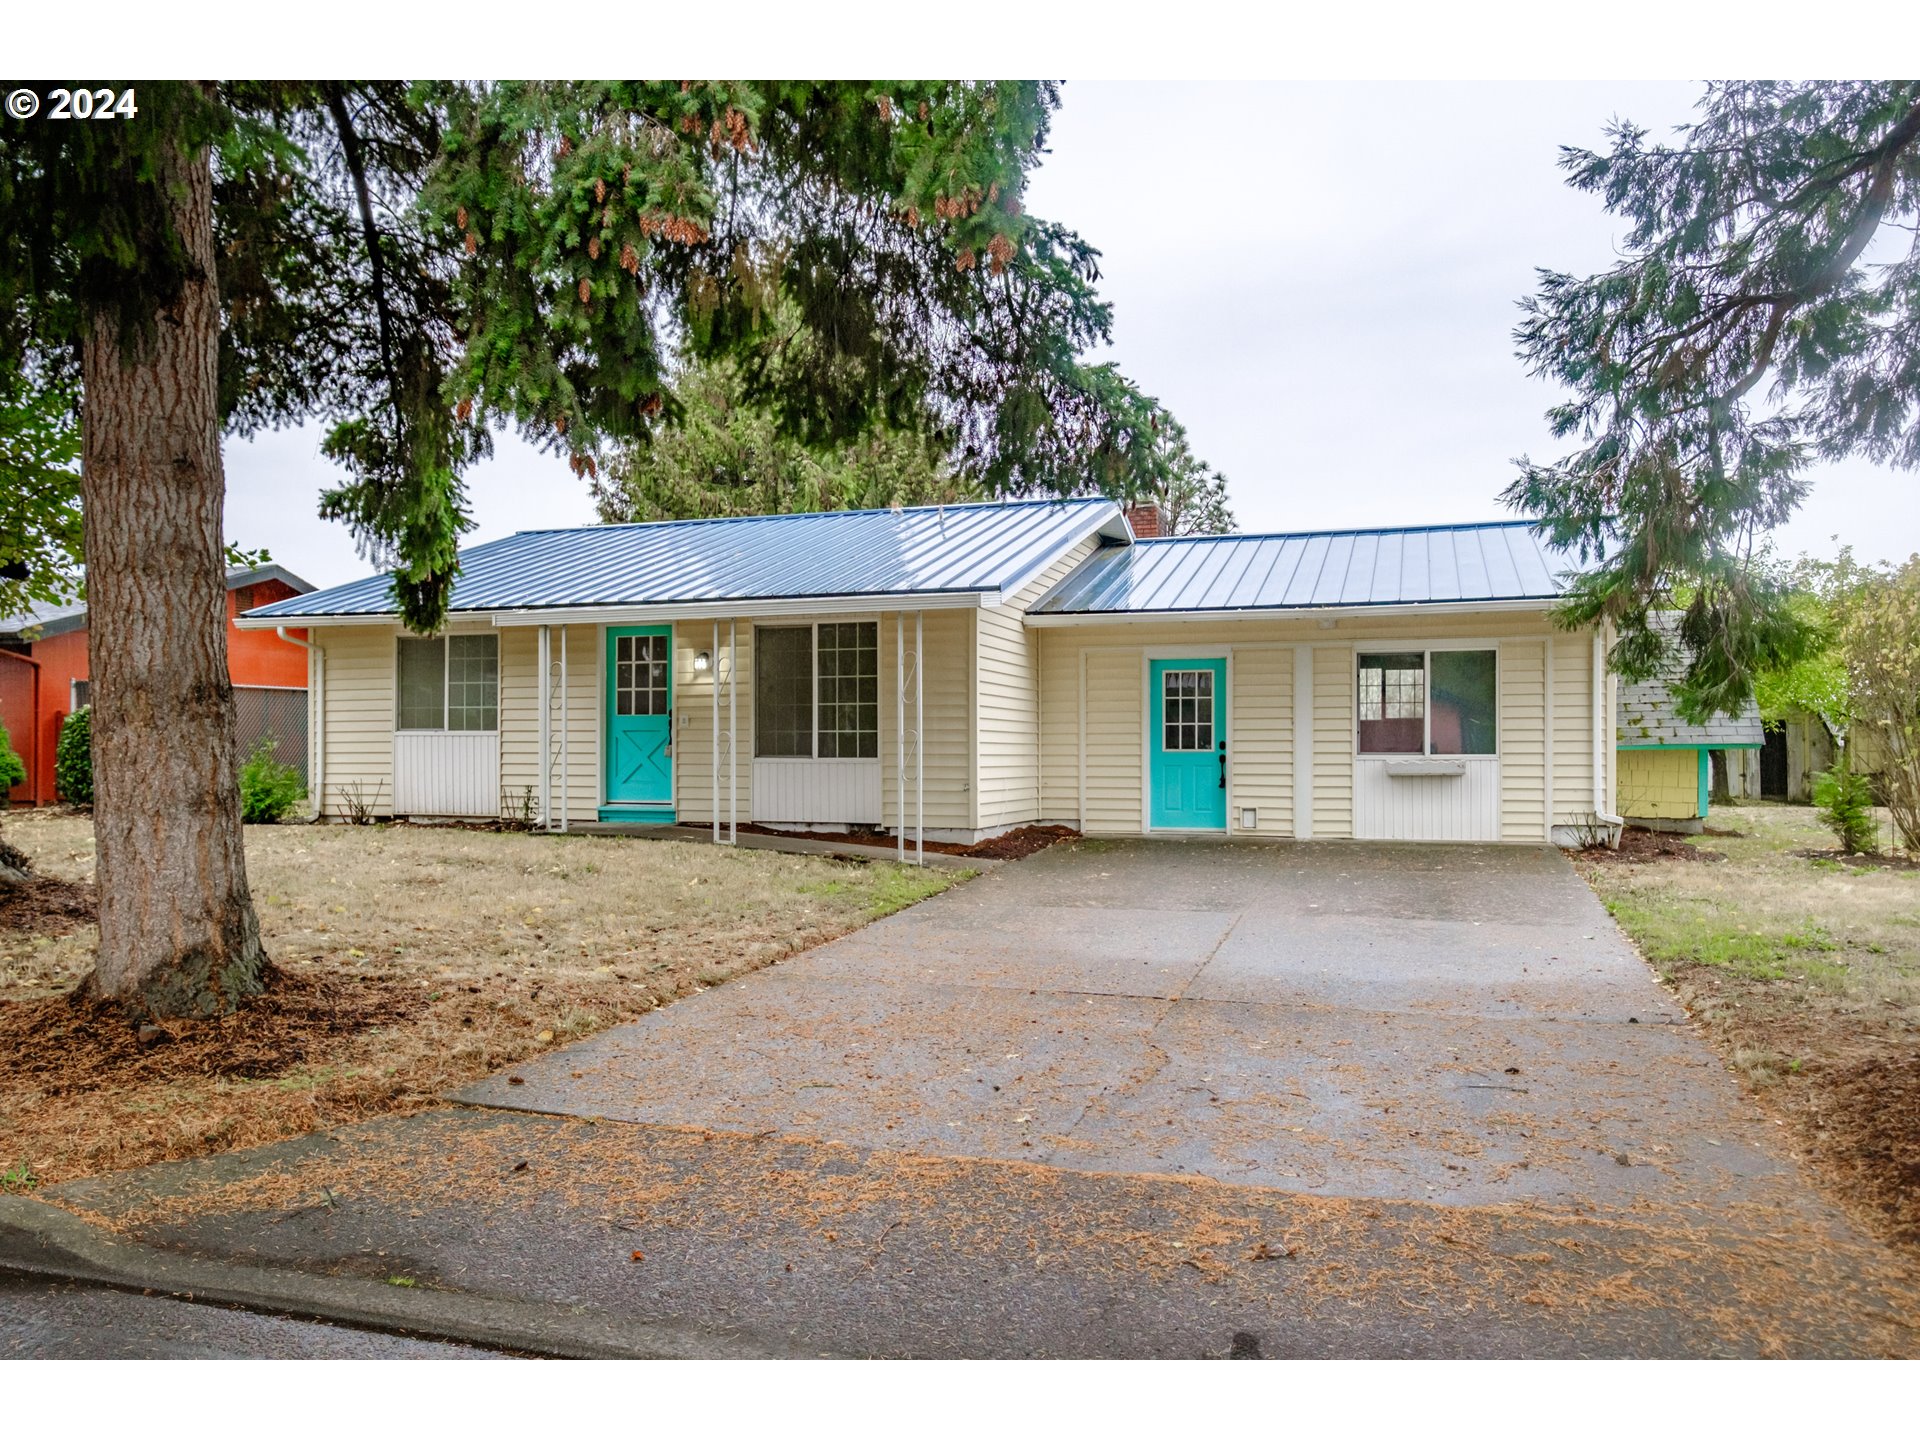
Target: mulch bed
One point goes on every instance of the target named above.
(1014, 845)
(1646, 847)
(77, 1043)
(44, 906)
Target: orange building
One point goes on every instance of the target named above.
(44, 677)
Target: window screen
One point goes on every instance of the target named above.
(473, 682)
(849, 661)
(1186, 709)
(640, 675)
(423, 683)
(783, 691)
(1465, 701)
(1393, 704)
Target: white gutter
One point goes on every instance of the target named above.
(643, 614)
(1290, 612)
(316, 707)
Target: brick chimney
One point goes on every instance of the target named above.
(1144, 517)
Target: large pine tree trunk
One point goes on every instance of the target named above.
(178, 934)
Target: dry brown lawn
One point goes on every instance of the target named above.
(1805, 972)
(416, 959)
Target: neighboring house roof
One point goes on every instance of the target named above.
(1647, 716)
(1430, 564)
(952, 550)
(47, 621)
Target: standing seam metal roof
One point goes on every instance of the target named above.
(1433, 564)
(838, 553)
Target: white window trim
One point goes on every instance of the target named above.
(813, 727)
(446, 680)
(1427, 648)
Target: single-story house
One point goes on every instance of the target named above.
(960, 671)
(1666, 763)
(45, 676)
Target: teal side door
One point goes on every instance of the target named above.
(639, 723)
(1187, 783)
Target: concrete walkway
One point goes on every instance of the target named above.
(1455, 1024)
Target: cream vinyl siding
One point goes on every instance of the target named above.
(1522, 740)
(358, 722)
(1008, 752)
(520, 720)
(1333, 741)
(1573, 727)
(693, 701)
(1261, 737)
(948, 698)
(1114, 742)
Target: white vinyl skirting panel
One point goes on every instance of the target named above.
(816, 792)
(1432, 806)
(446, 772)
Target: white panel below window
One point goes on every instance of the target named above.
(816, 792)
(444, 772)
(1448, 805)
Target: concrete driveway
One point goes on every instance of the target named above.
(1460, 1025)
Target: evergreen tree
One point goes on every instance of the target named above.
(417, 263)
(1744, 333)
(1191, 494)
(723, 455)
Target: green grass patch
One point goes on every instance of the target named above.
(896, 887)
(17, 1179)
(1676, 932)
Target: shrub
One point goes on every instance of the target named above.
(268, 789)
(73, 758)
(13, 770)
(1845, 801)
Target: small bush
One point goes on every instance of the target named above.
(13, 770)
(73, 758)
(268, 789)
(1845, 801)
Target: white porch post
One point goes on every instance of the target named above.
(733, 732)
(713, 789)
(565, 786)
(900, 733)
(546, 728)
(919, 738)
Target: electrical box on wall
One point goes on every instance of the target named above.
(1249, 819)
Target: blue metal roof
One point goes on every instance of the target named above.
(1429, 564)
(840, 553)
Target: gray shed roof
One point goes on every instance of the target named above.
(1429, 564)
(1647, 716)
(951, 549)
(49, 620)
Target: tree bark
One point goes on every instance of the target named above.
(178, 934)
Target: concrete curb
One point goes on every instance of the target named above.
(42, 1240)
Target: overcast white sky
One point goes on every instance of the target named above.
(1318, 279)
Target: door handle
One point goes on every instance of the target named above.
(1223, 764)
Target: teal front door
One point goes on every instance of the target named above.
(639, 747)
(1187, 785)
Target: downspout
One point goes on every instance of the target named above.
(1602, 727)
(316, 706)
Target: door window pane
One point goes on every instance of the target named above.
(783, 691)
(473, 682)
(849, 661)
(1392, 700)
(423, 683)
(640, 675)
(1186, 709)
(1465, 702)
